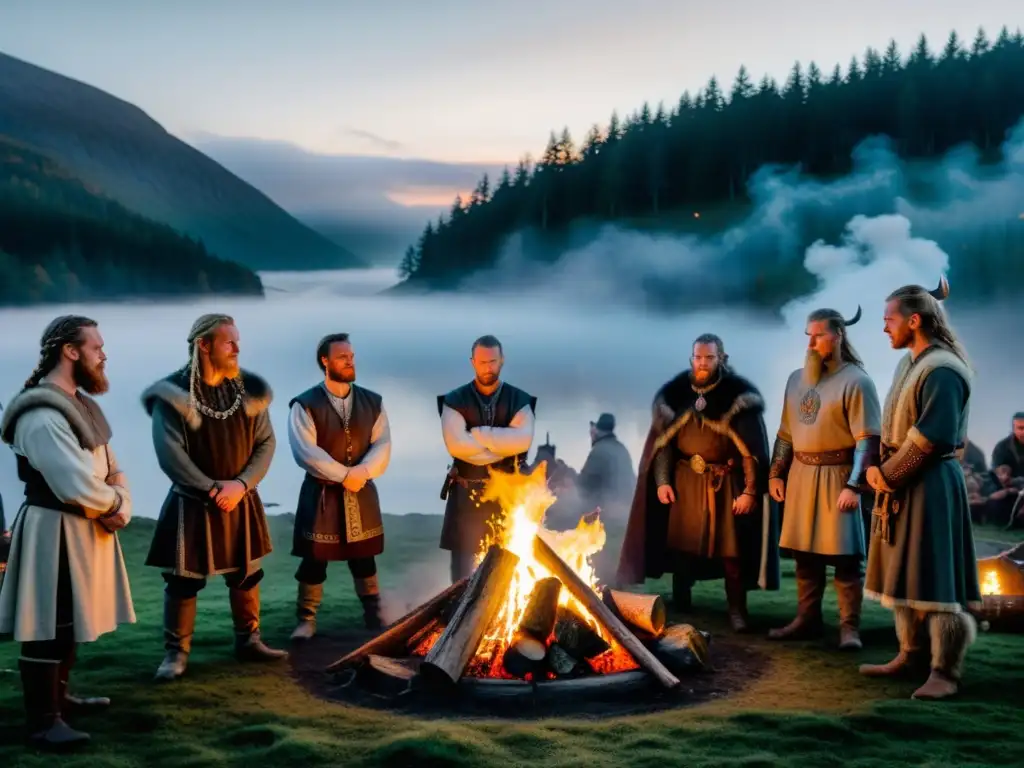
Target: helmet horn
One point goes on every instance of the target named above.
(853, 320)
(942, 291)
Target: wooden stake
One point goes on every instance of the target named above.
(486, 592)
(547, 557)
(394, 640)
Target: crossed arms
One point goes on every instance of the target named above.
(486, 445)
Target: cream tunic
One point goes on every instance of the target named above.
(101, 595)
(832, 416)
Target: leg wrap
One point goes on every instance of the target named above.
(951, 635)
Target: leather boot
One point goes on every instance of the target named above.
(69, 701)
(308, 602)
(179, 624)
(682, 592)
(810, 588)
(951, 635)
(369, 595)
(736, 596)
(40, 681)
(245, 611)
(850, 594)
(908, 660)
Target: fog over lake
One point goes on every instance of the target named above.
(578, 357)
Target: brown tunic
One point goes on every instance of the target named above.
(193, 537)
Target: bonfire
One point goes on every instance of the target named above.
(533, 611)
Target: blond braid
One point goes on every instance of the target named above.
(66, 329)
(203, 328)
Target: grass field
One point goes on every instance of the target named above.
(808, 707)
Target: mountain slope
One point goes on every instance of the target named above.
(115, 146)
(61, 241)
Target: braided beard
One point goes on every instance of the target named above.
(814, 367)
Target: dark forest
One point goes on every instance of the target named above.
(700, 154)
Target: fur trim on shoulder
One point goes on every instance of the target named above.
(731, 395)
(172, 394)
(258, 396)
(44, 396)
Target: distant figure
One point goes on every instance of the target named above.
(607, 479)
(974, 458)
(1010, 450)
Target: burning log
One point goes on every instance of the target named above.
(577, 637)
(547, 557)
(487, 589)
(542, 609)
(524, 656)
(561, 663)
(645, 613)
(394, 640)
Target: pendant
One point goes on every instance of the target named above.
(701, 403)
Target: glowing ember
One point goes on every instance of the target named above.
(990, 585)
(524, 499)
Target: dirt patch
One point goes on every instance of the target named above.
(736, 666)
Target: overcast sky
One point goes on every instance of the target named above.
(479, 81)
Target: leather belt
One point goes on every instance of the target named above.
(825, 458)
(700, 465)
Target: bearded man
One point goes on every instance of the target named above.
(701, 509)
(214, 441)
(339, 434)
(66, 582)
(828, 437)
(487, 425)
(921, 563)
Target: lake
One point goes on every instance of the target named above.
(578, 358)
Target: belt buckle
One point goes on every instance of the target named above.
(698, 465)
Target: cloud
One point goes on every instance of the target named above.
(308, 183)
(374, 139)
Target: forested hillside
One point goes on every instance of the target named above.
(112, 144)
(701, 152)
(63, 241)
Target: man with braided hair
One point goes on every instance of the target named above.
(66, 582)
(214, 441)
(701, 508)
(827, 439)
(921, 563)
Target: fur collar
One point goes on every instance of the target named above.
(674, 405)
(173, 391)
(90, 436)
(732, 393)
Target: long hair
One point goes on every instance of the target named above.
(66, 329)
(916, 300)
(838, 326)
(203, 328)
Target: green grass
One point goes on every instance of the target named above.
(809, 707)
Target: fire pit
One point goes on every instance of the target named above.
(531, 622)
(1002, 589)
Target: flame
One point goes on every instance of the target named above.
(990, 585)
(524, 500)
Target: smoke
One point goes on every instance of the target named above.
(886, 210)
